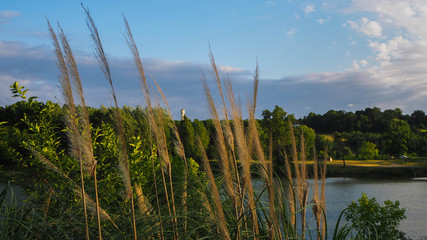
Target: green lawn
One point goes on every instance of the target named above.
(410, 162)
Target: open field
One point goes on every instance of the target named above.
(410, 167)
(408, 162)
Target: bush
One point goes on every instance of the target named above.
(372, 221)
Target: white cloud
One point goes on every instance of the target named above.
(323, 20)
(5, 16)
(364, 62)
(291, 33)
(9, 14)
(355, 65)
(399, 50)
(296, 16)
(410, 14)
(398, 62)
(272, 3)
(229, 69)
(370, 28)
(309, 9)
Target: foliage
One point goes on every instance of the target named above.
(186, 133)
(368, 151)
(398, 135)
(201, 132)
(302, 131)
(19, 91)
(372, 221)
(276, 123)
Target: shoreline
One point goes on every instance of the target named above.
(374, 171)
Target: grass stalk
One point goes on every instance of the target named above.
(123, 159)
(244, 155)
(156, 124)
(91, 204)
(85, 135)
(222, 225)
(290, 189)
(304, 186)
(323, 195)
(220, 139)
(267, 168)
(317, 211)
(179, 149)
(156, 191)
(71, 118)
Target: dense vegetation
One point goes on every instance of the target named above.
(366, 134)
(371, 133)
(129, 172)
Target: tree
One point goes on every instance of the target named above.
(368, 151)
(340, 148)
(372, 221)
(323, 145)
(418, 119)
(186, 132)
(201, 131)
(278, 123)
(309, 138)
(398, 134)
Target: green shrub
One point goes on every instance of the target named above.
(372, 221)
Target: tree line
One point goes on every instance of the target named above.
(364, 134)
(371, 133)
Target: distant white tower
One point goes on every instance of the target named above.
(182, 114)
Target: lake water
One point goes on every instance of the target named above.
(340, 192)
(411, 193)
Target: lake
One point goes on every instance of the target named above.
(411, 193)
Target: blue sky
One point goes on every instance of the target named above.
(313, 55)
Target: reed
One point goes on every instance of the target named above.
(266, 169)
(71, 118)
(124, 162)
(81, 143)
(219, 212)
(319, 205)
(243, 154)
(155, 119)
(220, 139)
(91, 204)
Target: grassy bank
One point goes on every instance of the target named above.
(413, 167)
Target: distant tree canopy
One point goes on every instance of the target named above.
(372, 133)
(368, 120)
(364, 134)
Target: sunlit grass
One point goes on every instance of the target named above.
(408, 162)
